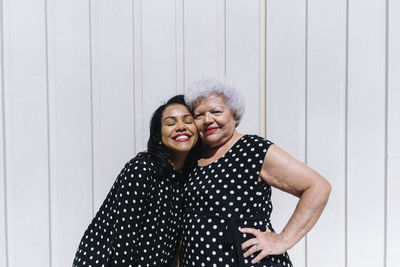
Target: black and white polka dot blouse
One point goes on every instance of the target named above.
(223, 197)
(138, 223)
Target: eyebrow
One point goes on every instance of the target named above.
(174, 117)
(212, 108)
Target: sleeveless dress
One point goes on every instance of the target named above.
(138, 223)
(222, 197)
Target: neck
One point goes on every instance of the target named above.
(220, 149)
(178, 161)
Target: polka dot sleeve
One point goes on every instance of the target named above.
(113, 233)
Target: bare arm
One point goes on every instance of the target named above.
(284, 172)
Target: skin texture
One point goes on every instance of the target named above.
(280, 170)
(178, 121)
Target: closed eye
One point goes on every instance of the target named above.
(199, 115)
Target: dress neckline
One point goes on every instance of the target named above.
(224, 155)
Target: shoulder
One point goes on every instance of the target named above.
(255, 142)
(140, 169)
(142, 162)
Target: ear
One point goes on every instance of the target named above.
(236, 119)
(235, 116)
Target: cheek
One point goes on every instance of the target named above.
(228, 121)
(164, 133)
(198, 124)
(193, 129)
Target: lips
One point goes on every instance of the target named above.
(210, 129)
(181, 137)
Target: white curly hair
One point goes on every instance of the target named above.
(215, 86)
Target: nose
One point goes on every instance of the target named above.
(208, 118)
(180, 126)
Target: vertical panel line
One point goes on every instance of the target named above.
(306, 112)
(386, 133)
(141, 65)
(49, 171)
(4, 136)
(262, 68)
(183, 47)
(138, 73)
(91, 99)
(177, 89)
(221, 37)
(179, 47)
(346, 145)
(224, 38)
(133, 78)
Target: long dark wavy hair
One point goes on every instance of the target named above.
(155, 148)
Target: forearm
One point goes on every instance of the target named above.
(309, 208)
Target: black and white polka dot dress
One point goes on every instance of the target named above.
(138, 223)
(223, 197)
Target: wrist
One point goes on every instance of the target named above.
(285, 241)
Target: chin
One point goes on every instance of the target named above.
(183, 149)
(213, 138)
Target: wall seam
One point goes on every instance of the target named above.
(346, 145)
(183, 47)
(221, 37)
(386, 133)
(306, 112)
(224, 38)
(49, 170)
(141, 65)
(176, 48)
(91, 99)
(138, 71)
(133, 79)
(4, 137)
(262, 90)
(179, 47)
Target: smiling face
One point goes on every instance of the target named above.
(214, 121)
(178, 132)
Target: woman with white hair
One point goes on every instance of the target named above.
(227, 196)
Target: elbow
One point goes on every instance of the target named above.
(321, 190)
(325, 189)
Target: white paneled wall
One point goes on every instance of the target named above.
(393, 133)
(326, 125)
(26, 130)
(286, 97)
(80, 80)
(366, 132)
(242, 53)
(69, 122)
(3, 185)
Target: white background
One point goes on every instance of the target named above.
(80, 79)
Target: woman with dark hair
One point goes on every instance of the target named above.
(138, 223)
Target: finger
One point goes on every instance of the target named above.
(267, 229)
(249, 243)
(260, 256)
(251, 250)
(252, 231)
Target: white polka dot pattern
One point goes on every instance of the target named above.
(138, 223)
(222, 197)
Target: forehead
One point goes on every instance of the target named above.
(175, 110)
(210, 102)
